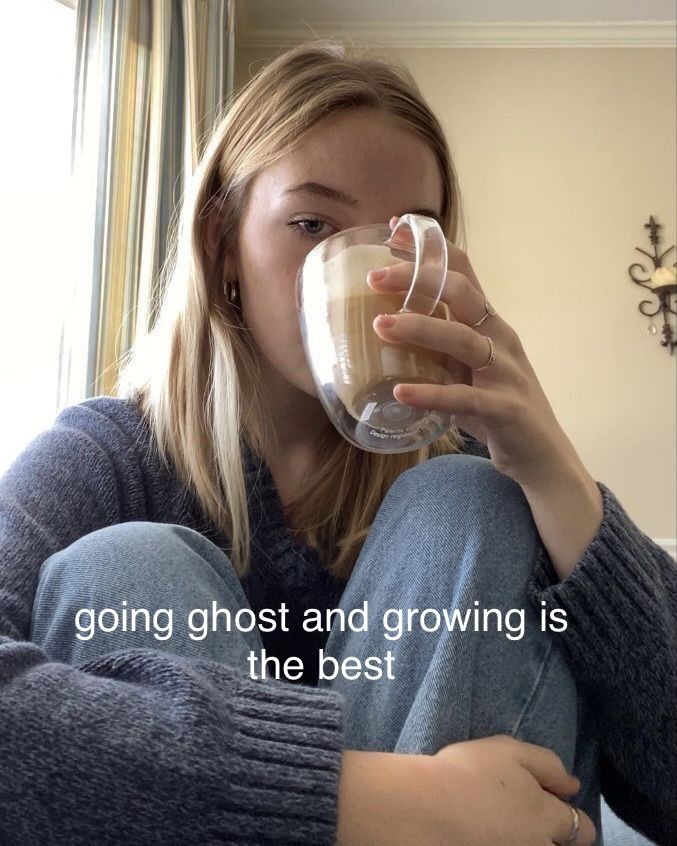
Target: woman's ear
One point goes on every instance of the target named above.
(214, 250)
(212, 236)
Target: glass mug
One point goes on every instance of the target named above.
(353, 368)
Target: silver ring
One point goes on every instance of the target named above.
(490, 311)
(492, 356)
(575, 825)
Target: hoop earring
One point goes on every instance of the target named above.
(232, 292)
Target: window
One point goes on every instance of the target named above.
(38, 229)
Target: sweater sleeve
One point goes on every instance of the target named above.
(140, 745)
(621, 645)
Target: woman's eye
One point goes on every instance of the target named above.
(310, 227)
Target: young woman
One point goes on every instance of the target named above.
(215, 483)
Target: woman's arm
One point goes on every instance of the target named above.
(567, 509)
(620, 597)
(153, 749)
(565, 502)
(621, 643)
(139, 746)
(471, 793)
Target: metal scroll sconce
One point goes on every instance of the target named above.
(662, 283)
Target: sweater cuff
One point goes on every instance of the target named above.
(612, 597)
(286, 744)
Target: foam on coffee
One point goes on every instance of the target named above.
(346, 271)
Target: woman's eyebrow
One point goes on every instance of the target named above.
(321, 190)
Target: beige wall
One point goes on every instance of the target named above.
(562, 155)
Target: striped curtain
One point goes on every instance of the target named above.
(150, 78)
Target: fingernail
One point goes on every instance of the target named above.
(385, 321)
(378, 275)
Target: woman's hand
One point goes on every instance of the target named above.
(476, 793)
(503, 406)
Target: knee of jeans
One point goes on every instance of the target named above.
(137, 551)
(480, 506)
(459, 479)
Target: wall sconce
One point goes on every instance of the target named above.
(662, 283)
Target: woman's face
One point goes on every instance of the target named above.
(384, 169)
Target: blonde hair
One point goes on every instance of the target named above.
(194, 373)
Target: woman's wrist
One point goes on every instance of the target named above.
(568, 510)
(375, 790)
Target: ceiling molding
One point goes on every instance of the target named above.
(603, 34)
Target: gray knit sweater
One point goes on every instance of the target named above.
(151, 748)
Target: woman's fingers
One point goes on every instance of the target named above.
(587, 832)
(432, 333)
(494, 791)
(457, 259)
(564, 819)
(465, 302)
(547, 768)
(549, 771)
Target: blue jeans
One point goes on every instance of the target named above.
(452, 533)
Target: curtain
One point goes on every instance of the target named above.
(150, 78)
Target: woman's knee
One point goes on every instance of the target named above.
(137, 564)
(464, 492)
(136, 555)
(459, 480)
(460, 508)
(139, 570)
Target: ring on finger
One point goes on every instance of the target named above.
(575, 825)
(492, 356)
(489, 311)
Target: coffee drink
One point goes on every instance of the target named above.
(366, 367)
(353, 367)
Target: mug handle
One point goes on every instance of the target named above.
(430, 260)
